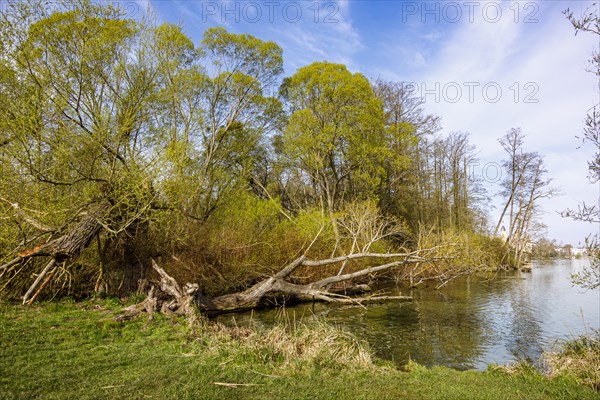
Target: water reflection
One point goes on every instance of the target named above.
(470, 322)
(524, 340)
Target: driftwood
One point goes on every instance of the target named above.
(315, 291)
(173, 299)
(169, 298)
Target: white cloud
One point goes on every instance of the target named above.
(543, 62)
(324, 34)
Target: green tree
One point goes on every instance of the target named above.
(335, 137)
(108, 123)
(213, 112)
(78, 129)
(238, 109)
(406, 127)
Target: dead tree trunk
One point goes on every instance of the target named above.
(67, 247)
(277, 285)
(186, 300)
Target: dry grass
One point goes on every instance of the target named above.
(289, 347)
(578, 359)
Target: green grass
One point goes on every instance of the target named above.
(77, 350)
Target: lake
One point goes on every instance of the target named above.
(468, 323)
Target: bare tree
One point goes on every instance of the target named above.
(589, 22)
(526, 184)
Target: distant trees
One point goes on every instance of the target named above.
(545, 249)
(407, 127)
(526, 183)
(426, 179)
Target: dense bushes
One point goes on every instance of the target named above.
(249, 238)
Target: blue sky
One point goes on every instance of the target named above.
(483, 66)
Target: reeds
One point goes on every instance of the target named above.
(290, 346)
(578, 359)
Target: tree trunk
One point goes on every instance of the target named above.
(136, 262)
(67, 247)
(187, 300)
(71, 244)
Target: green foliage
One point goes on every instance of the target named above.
(97, 107)
(244, 53)
(461, 252)
(244, 240)
(200, 165)
(335, 132)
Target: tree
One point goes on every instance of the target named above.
(406, 128)
(545, 249)
(589, 22)
(238, 111)
(512, 143)
(78, 126)
(334, 137)
(212, 112)
(525, 185)
(109, 122)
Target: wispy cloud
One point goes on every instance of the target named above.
(307, 31)
(539, 69)
(325, 33)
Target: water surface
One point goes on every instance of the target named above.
(470, 322)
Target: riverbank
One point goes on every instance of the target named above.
(77, 350)
(470, 323)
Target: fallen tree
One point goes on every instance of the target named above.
(169, 297)
(66, 247)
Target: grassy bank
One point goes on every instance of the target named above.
(578, 359)
(77, 350)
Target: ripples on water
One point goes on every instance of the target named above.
(470, 322)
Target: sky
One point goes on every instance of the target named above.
(482, 66)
